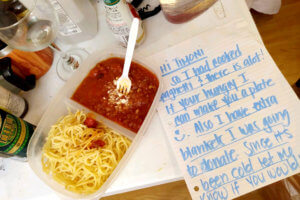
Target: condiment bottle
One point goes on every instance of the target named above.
(13, 103)
(15, 134)
(180, 11)
(119, 15)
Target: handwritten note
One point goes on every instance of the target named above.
(229, 114)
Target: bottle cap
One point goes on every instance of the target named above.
(5, 70)
(4, 49)
(146, 8)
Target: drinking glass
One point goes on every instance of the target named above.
(35, 29)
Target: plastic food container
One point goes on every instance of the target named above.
(59, 107)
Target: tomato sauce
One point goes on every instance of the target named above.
(98, 92)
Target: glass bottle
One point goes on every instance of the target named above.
(119, 15)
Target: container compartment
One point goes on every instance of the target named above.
(111, 124)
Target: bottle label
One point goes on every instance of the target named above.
(67, 26)
(111, 2)
(116, 19)
(14, 135)
(8, 132)
(11, 102)
(119, 18)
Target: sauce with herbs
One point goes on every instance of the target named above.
(98, 92)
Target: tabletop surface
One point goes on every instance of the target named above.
(153, 163)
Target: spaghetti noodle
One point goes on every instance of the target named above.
(79, 157)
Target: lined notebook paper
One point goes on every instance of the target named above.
(229, 114)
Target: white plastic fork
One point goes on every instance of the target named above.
(124, 83)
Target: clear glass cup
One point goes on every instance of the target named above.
(35, 29)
